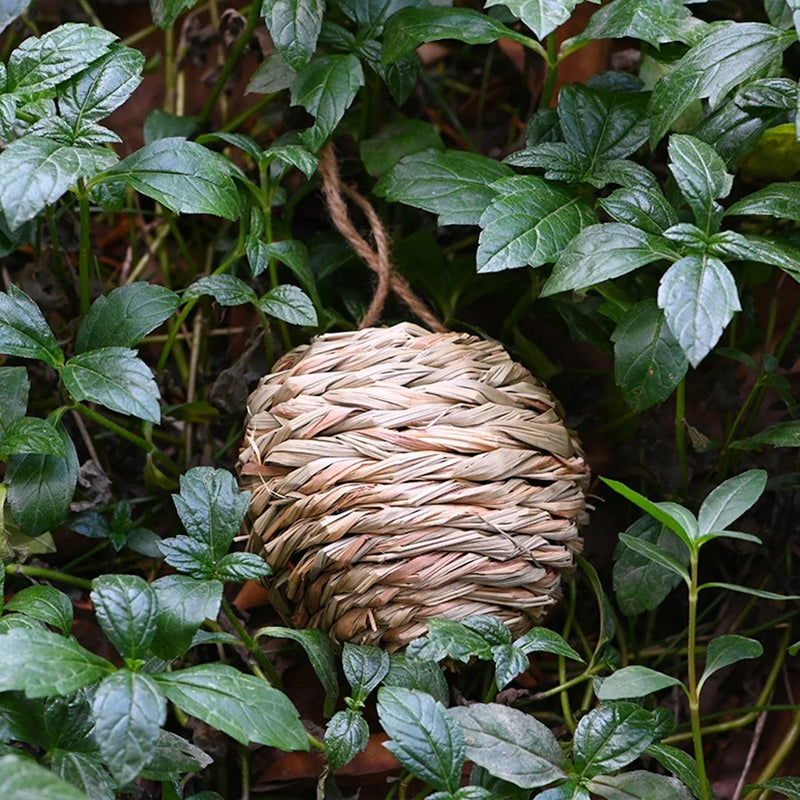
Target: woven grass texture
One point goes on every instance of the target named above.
(399, 475)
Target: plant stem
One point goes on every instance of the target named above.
(694, 696)
(680, 433)
(231, 62)
(47, 575)
(552, 72)
(252, 645)
(85, 245)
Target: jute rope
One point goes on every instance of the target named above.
(377, 259)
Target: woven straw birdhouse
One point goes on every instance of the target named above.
(399, 475)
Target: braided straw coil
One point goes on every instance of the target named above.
(399, 475)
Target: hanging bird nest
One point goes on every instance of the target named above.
(399, 475)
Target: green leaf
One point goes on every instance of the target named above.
(510, 744)
(449, 638)
(10, 11)
(115, 378)
(347, 735)
(272, 75)
(643, 208)
(44, 603)
(125, 316)
(656, 22)
(128, 710)
(783, 434)
(189, 555)
(699, 297)
(490, 628)
(31, 435)
(509, 662)
(292, 155)
(173, 756)
(602, 252)
(636, 681)
(242, 567)
(613, 735)
(183, 605)
(14, 388)
(184, 176)
(395, 141)
(413, 673)
(42, 170)
(453, 184)
(768, 92)
(648, 361)
(528, 222)
(748, 247)
(290, 304)
(727, 56)
(788, 787)
(733, 587)
(163, 125)
(410, 27)
(294, 26)
(728, 501)
(364, 667)
(781, 200)
(292, 253)
(85, 771)
(639, 785)
(423, 738)
(559, 161)
(42, 663)
(24, 331)
(242, 706)
(66, 722)
(227, 290)
(40, 487)
(543, 640)
(165, 12)
(678, 762)
(43, 62)
(22, 778)
(126, 608)
(97, 91)
(702, 178)
(211, 507)
(541, 16)
(726, 650)
(689, 237)
(649, 564)
(326, 87)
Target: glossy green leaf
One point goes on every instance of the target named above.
(183, 604)
(242, 567)
(40, 487)
(326, 87)
(728, 501)
(781, 200)
(510, 744)
(97, 91)
(10, 10)
(647, 209)
(699, 297)
(422, 736)
(788, 787)
(24, 331)
(128, 710)
(243, 706)
(227, 290)
(782, 434)
(115, 378)
(44, 603)
(541, 16)
(273, 75)
(31, 435)
(449, 638)
(648, 361)
(613, 735)
(543, 640)
(14, 388)
(410, 27)
(657, 557)
(126, 608)
(749, 247)
(636, 681)
(42, 663)
(36, 171)
(165, 12)
(395, 141)
(294, 26)
(413, 673)
(347, 735)
(509, 662)
(723, 651)
(678, 762)
(364, 667)
(85, 771)
(688, 237)
(768, 92)
(40, 63)
(124, 316)
(528, 222)
(490, 628)
(161, 124)
(639, 785)
(184, 176)
(172, 756)
(21, 778)
(762, 593)
(656, 22)
(602, 252)
(189, 555)
(290, 304)
(727, 56)
(559, 161)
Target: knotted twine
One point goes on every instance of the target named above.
(399, 475)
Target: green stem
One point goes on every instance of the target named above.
(680, 433)
(231, 62)
(552, 72)
(47, 575)
(252, 645)
(694, 695)
(85, 245)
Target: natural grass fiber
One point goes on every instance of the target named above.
(399, 475)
